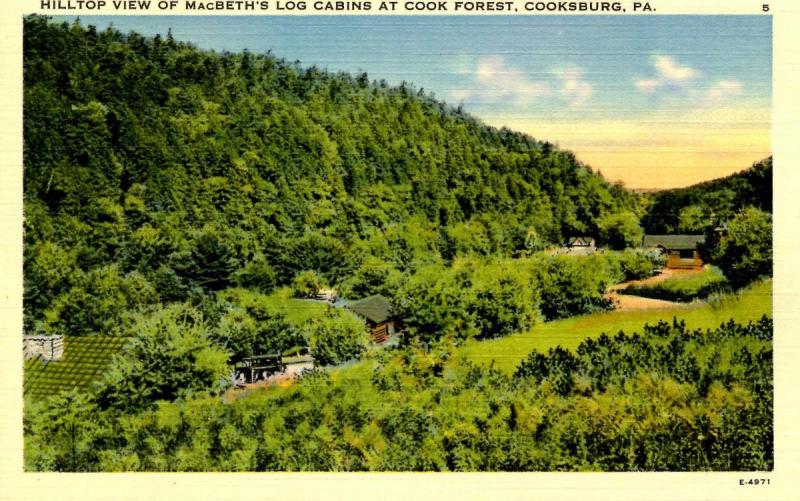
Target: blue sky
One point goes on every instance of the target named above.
(654, 101)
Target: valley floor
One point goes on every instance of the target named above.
(506, 353)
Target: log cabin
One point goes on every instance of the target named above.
(377, 312)
(580, 245)
(680, 250)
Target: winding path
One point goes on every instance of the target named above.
(629, 302)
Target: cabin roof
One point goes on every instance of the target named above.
(375, 308)
(573, 241)
(677, 242)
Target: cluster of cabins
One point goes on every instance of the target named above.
(681, 251)
(377, 313)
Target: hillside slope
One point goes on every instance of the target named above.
(700, 207)
(155, 172)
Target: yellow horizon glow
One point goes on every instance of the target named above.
(660, 151)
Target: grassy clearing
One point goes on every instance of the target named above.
(297, 311)
(682, 287)
(506, 353)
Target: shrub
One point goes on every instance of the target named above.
(171, 354)
(335, 337)
(307, 284)
(745, 253)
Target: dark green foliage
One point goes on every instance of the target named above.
(570, 286)
(257, 275)
(307, 284)
(744, 253)
(702, 207)
(620, 231)
(335, 337)
(199, 171)
(250, 331)
(171, 355)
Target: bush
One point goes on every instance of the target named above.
(374, 276)
(620, 230)
(632, 264)
(171, 355)
(503, 302)
(257, 275)
(307, 284)
(336, 337)
(571, 285)
(435, 303)
(745, 253)
(248, 332)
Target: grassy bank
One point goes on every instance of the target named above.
(683, 288)
(748, 304)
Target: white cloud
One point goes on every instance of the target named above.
(574, 89)
(669, 74)
(647, 85)
(669, 69)
(496, 81)
(723, 89)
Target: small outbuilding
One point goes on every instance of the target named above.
(377, 311)
(681, 250)
(580, 245)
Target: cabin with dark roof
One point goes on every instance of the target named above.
(377, 312)
(680, 250)
(580, 245)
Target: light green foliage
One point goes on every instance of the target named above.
(335, 337)
(307, 284)
(373, 276)
(570, 285)
(505, 353)
(497, 297)
(664, 398)
(504, 301)
(171, 355)
(436, 303)
(621, 230)
(252, 331)
(745, 253)
(693, 220)
(683, 287)
(200, 171)
(632, 264)
(59, 433)
(100, 302)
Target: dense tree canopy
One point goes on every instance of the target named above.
(192, 171)
(699, 208)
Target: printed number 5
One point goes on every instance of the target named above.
(765, 7)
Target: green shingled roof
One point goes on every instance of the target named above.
(375, 308)
(677, 242)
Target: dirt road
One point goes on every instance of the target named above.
(628, 302)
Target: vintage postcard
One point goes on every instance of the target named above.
(336, 237)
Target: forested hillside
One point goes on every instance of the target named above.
(182, 207)
(160, 170)
(701, 207)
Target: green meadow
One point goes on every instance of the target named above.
(507, 352)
